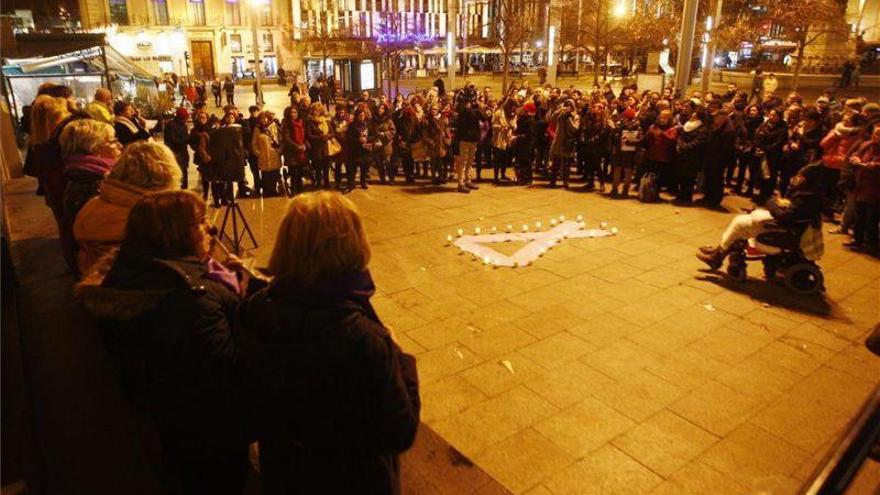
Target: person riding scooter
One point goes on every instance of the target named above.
(803, 206)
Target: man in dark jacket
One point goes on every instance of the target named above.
(229, 89)
(564, 147)
(177, 137)
(127, 124)
(722, 146)
(467, 126)
(801, 209)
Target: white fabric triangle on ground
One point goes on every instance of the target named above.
(538, 243)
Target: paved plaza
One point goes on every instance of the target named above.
(614, 365)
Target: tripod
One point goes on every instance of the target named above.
(238, 232)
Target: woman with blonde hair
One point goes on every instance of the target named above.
(145, 167)
(90, 150)
(265, 146)
(164, 307)
(335, 398)
(318, 133)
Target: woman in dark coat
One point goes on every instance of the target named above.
(200, 142)
(564, 148)
(690, 150)
(745, 150)
(177, 137)
(524, 142)
(90, 151)
(318, 133)
(594, 145)
(335, 398)
(359, 144)
(165, 307)
(769, 140)
(294, 147)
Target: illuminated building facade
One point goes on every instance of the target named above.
(208, 38)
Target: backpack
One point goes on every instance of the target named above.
(648, 191)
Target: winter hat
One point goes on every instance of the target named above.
(629, 113)
(529, 107)
(182, 114)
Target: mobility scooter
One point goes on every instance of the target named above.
(779, 249)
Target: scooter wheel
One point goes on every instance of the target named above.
(804, 278)
(770, 269)
(737, 272)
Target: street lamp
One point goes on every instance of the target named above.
(257, 6)
(620, 9)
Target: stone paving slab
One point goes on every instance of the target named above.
(630, 369)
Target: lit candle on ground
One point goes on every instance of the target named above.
(603, 225)
(477, 230)
(525, 227)
(561, 218)
(553, 221)
(487, 260)
(460, 232)
(537, 225)
(449, 238)
(509, 228)
(494, 229)
(614, 230)
(580, 218)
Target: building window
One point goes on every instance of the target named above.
(266, 14)
(197, 7)
(238, 67)
(267, 44)
(160, 12)
(233, 12)
(119, 12)
(235, 43)
(270, 66)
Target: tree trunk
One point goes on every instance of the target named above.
(797, 66)
(505, 58)
(596, 67)
(396, 75)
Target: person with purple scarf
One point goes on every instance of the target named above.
(165, 308)
(89, 149)
(334, 398)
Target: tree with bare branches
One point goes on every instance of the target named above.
(513, 26)
(804, 22)
(391, 39)
(324, 34)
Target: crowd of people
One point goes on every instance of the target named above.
(695, 146)
(220, 356)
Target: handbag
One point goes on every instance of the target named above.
(812, 244)
(333, 147)
(419, 152)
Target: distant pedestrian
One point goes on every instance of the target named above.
(229, 89)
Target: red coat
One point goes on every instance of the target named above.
(837, 144)
(867, 175)
(660, 143)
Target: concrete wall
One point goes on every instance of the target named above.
(786, 81)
